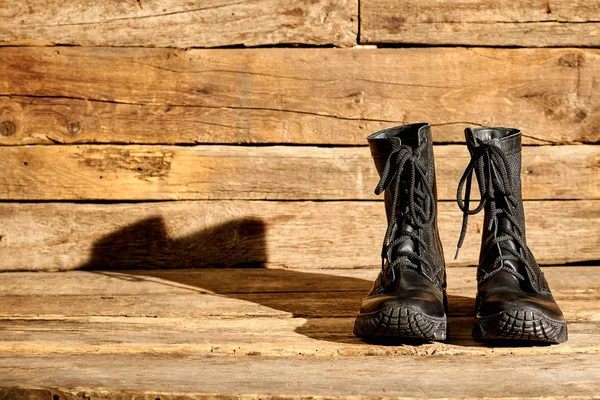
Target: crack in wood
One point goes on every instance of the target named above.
(8, 95)
(552, 21)
(193, 10)
(227, 71)
(404, 84)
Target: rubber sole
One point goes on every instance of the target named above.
(400, 323)
(522, 325)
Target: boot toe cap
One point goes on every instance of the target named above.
(423, 302)
(495, 304)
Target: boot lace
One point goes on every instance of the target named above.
(493, 181)
(404, 158)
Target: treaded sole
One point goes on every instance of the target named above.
(522, 325)
(400, 323)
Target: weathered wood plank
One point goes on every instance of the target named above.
(248, 293)
(483, 22)
(278, 305)
(48, 120)
(321, 96)
(320, 337)
(201, 376)
(570, 282)
(48, 350)
(108, 172)
(171, 23)
(292, 234)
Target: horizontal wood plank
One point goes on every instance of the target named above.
(254, 336)
(227, 293)
(209, 376)
(48, 120)
(181, 234)
(318, 96)
(89, 325)
(105, 172)
(172, 23)
(483, 22)
(567, 282)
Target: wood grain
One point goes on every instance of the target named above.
(248, 311)
(85, 329)
(305, 235)
(273, 337)
(48, 120)
(209, 376)
(567, 283)
(154, 23)
(226, 293)
(276, 95)
(103, 172)
(483, 22)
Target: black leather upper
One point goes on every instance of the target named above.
(420, 288)
(510, 284)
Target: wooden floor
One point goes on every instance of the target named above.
(267, 333)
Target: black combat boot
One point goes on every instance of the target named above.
(408, 299)
(513, 297)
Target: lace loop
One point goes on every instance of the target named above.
(492, 168)
(404, 160)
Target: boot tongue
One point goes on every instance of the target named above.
(404, 225)
(403, 214)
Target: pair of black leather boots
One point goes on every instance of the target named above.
(408, 299)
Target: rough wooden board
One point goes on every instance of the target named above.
(300, 305)
(227, 311)
(47, 236)
(388, 29)
(483, 22)
(48, 120)
(321, 337)
(549, 93)
(289, 355)
(567, 282)
(106, 172)
(421, 377)
(297, 305)
(250, 292)
(171, 23)
(486, 11)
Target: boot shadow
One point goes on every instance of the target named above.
(236, 253)
(147, 245)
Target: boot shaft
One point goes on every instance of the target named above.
(508, 140)
(398, 153)
(383, 142)
(496, 162)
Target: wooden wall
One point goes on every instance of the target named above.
(179, 134)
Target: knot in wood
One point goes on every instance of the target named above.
(73, 127)
(571, 60)
(7, 128)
